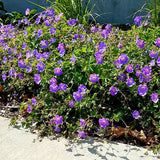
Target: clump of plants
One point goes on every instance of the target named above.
(77, 9)
(153, 7)
(75, 82)
(15, 18)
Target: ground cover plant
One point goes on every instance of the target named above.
(77, 81)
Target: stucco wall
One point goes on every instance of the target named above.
(108, 11)
(117, 11)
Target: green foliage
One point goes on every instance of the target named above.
(80, 9)
(2, 7)
(14, 17)
(154, 9)
(97, 101)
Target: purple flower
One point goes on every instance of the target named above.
(72, 22)
(44, 44)
(50, 12)
(19, 56)
(47, 23)
(120, 46)
(82, 134)
(94, 78)
(82, 37)
(29, 108)
(136, 114)
(39, 33)
(102, 47)
(20, 76)
(37, 78)
(140, 43)
(62, 87)
(25, 33)
(130, 82)
(38, 20)
(58, 17)
(77, 96)
(40, 67)
(141, 78)
(12, 73)
(123, 59)
(24, 46)
(98, 54)
(130, 68)
(158, 61)
(4, 59)
(34, 101)
(117, 64)
(58, 120)
(99, 59)
(27, 12)
(57, 129)
(28, 68)
(147, 71)
(108, 27)
(138, 66)
(138, 20)
(59, 61)
(157, 42)
(58, 71)
(103, 122)
(113, 90)
(153, 54)
(29, 54)
(73, 59)
(53, 88)
(52, 31)
(82, 123)
(61, 49)
(52, 40)
(71, 103)
(105, 33)
(122, 77)
(21, 64)
(152, 63)
(155, 97)
(53, 81)
(147, 79)
(82, 89)
(75, 37)
(94, 29)
(45, 55)
(35, 52)
(4, 77)
(138, 73)
(142, 90)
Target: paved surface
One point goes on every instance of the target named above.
(17, 144)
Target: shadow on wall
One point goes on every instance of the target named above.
(118, 11)
(106, 11)
(21, 5)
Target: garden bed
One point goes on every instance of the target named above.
(75, 81)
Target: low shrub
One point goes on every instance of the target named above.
(72, 80)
